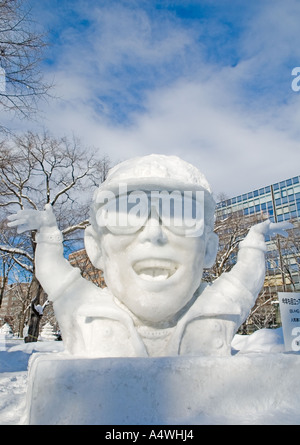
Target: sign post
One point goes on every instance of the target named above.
(289, 303)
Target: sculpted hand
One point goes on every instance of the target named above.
(29, 219)
(268, 228)
(258, 233)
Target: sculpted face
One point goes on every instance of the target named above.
(154, 272)
(151, 234)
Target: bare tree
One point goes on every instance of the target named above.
(7, 262)
(231, 230)
(263, 314)
(37, 170)
(282, 264)
(21, 47)
(290, 264)
(19, 312)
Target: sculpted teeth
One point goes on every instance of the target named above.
(155, 269)
(154, 274)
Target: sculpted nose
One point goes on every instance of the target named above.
(153, 231)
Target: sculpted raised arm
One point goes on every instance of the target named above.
(241, 286)
(250, 266)
(52, 270)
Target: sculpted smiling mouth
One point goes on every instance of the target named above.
(155, 269)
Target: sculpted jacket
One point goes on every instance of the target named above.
(94, 323)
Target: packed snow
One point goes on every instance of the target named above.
(152, 249)
(14, 358)
(15, 355)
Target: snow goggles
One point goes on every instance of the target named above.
(181, 212)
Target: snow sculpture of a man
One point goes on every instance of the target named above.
(154, 303)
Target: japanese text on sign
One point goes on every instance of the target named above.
(290, 317)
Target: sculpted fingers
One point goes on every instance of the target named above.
(29, 219)
(23, 220)
(280, 228)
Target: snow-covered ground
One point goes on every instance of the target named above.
(15, 355)
(14, 358)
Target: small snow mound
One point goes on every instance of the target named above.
(263, 340)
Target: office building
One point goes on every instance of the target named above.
(278, 202)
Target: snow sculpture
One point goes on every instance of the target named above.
(6, 331)
(154, 303)
(48, 333)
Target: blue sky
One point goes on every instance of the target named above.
(206, 80)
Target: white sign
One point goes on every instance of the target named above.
(289, 303)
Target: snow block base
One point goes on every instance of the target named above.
(242, 389)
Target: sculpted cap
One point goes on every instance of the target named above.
(156, 172)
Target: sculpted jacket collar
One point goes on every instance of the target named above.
(168, 340)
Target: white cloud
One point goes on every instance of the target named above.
(231, 122)
(203, 124)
